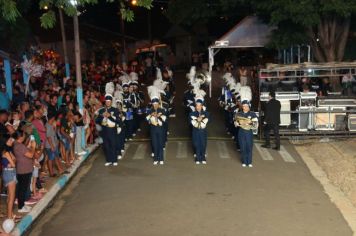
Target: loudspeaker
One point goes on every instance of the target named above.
(340, 122)
(352, 122)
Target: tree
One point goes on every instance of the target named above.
(14, 35)
(324, 24)
(10, 12)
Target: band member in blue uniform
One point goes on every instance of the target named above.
(121, 131)
(135, 102)
(128, 103)
(108, 118)
(156, 118)
(141, 101)
(247, 121)
(199, 120)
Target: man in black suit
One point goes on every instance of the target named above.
(272, 120)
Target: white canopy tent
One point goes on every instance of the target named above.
(251, 32)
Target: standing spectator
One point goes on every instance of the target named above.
(4, 98)
(24, 167)
(79, 133)
(52, 146)
(41, 129)
(8, 172)
(67, 137)
(243, 76)
(25, 106)
(347, 84)
(18, 97)
(13, 123)
(86, 120)
(3, 119)
(272, 120)
(60, 99)
(52, 108)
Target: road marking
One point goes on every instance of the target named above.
(182, 150)
(223, 151)
(140, 152)
(265, 155)
(285, 155)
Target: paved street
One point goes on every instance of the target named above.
(278, 196)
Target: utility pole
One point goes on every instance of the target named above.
(64, 43)
(78, 65)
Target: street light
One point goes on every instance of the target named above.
(134, 2)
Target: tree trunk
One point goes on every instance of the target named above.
(328, 40)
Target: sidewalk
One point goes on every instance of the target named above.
(53, 187)
(333, 164)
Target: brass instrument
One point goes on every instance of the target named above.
(245, 123)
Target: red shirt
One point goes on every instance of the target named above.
(41, 128)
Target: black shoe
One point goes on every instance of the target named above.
(276, 148)
(266, 146)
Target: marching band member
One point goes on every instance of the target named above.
(135, 100)
(156, 118)
(108, 118)
(247, 121)
(141, 100)
(170, 89)
(121, 130)
(129, 111)
(199, 120)
(164, 100)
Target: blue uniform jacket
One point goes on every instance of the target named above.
(153, 122)
(199, 125)
(114, 118)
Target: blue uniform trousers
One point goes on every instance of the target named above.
(236, 137)
(227, 119)
(157, 139)
(120, 141)
(165, 125)
(130, 128)
(109, 136)
(199, 137)
(246, 144)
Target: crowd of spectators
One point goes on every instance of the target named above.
(42, 129)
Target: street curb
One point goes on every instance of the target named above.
(41, 206)
(347, 209)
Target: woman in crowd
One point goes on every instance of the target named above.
(24, 152)
(9, 179)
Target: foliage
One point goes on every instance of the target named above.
(9, 9)
(322, 23)
(14, 33)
